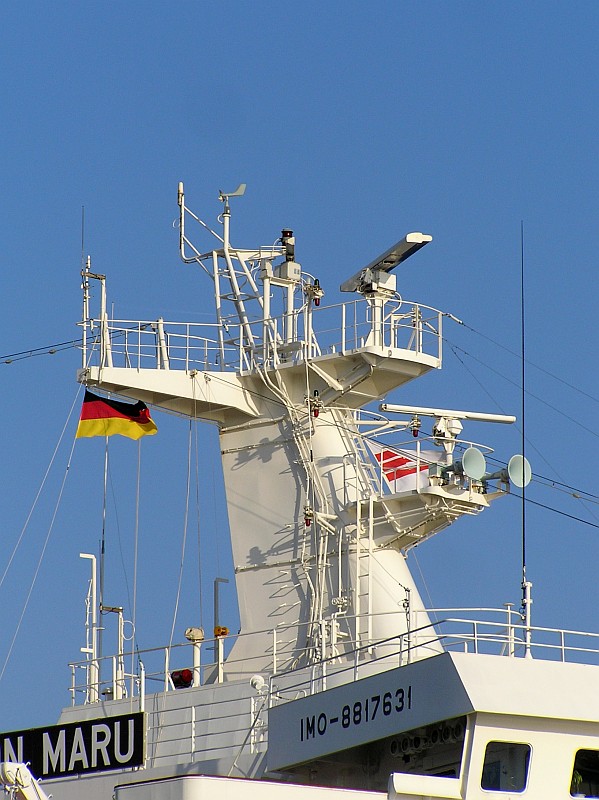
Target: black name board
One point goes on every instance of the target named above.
(92, 745)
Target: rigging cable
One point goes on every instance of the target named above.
(184, 539)
(550, 481)
(530, 363)
(540, 400)
(198, 506)
(49, 533)
(135, 647)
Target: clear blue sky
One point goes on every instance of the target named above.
(352, 123)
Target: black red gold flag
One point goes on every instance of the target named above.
(103, 417)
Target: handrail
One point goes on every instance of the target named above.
(495, 631)
(341, 327)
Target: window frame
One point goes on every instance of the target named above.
(507, 743)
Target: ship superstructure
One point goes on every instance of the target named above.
(338, 677)
(319, 507)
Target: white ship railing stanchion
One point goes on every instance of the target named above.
(527, 603)
(114, 690)
(163, 359)
(510, 630)
(142, 686)
(72, 689)
(166, 668)
(220, 658)
(193, 731)
(91, 649)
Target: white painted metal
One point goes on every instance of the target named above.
(18, 782)
(91, 624)
(446, 413)
(332, 623)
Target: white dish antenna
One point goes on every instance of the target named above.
(473, 464)
(519, 471)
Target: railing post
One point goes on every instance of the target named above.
(163, 360)
(193, 731)
(115, 669)
(527, 603)
(142, 686)
(220, 658)
(197, 662)
(510, 630)
(73, 684)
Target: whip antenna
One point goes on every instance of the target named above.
(526, 584)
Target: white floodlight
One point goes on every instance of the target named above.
(194, 634)
(391, 258)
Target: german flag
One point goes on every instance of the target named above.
(103, 417)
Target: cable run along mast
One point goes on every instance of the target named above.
(321, 507)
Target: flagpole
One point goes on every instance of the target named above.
(102, 562)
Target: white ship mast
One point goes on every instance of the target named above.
(319, 526)
(329, 683)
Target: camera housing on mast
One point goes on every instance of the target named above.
(289, 272)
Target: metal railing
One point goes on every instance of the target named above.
(158, 344)
(499, 632)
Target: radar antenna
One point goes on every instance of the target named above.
(371, 275)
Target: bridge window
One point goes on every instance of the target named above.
(585, 775)
(505, 768)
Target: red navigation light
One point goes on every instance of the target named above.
(182, 678)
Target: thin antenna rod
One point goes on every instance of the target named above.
(526, 584)
(82, 237)
(523, 385)
(103, 560)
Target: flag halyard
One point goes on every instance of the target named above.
(103, 417)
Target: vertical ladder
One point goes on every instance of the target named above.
(363, 593)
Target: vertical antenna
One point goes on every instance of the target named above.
(526, 585)
(82, 236)
(523, 384)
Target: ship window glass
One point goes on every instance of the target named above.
(585, 775)
(505, 768)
